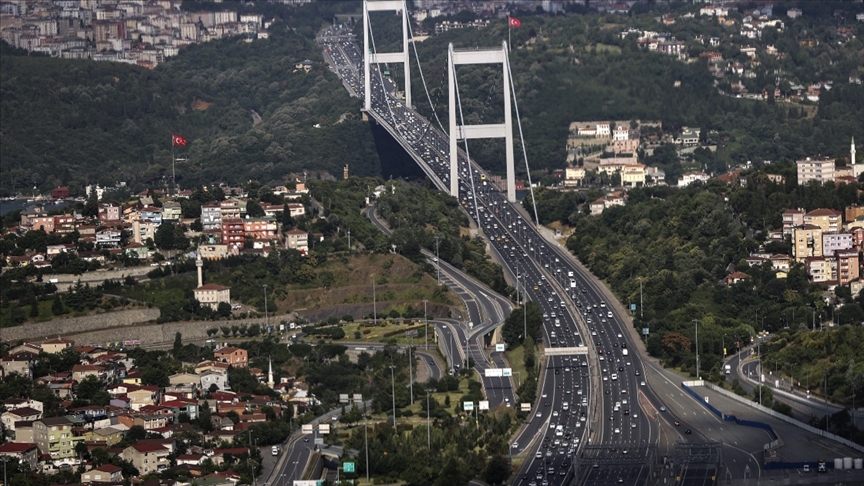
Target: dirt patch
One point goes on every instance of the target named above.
(200, 105)
(349, 290)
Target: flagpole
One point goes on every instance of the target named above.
(173, 175)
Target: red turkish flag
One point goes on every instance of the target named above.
(178, 141)
(514, 22)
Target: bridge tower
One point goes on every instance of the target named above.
(497, 130)
(379, 57)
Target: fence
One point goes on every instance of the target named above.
(729, 418)
(786, 418)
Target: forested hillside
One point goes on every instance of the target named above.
(77, 122)
(679, 244)
(576, 68)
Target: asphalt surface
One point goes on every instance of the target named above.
(551, 278)
(576, 317)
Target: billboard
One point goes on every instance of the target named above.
(343, 398)
(308, 482)
(483, 405)
(307, 428)
(132, 342)
(525, 407)
(358, 397)
(499, 348)
(505, 372)
(467, 406)
(493, 372)
(324, 428)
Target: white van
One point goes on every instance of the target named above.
(275, 450)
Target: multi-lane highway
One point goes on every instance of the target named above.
(575, 312)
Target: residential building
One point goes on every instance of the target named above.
(141, 396)
(233, 232)
(298, 240)
(212, 295)
(806, 242)
(819, 170)
(605, 202)
(691, 177)
(211, 377)
(736, 277)
(108, 238)
(233, 356)
(791, 219)
(231, 208)
(53, 346)
(260, 228)
(106, 473)
(835, 242)
(852, 213)
(573, 176)
(147, 458)
(22, 452)
(80, 372)
(171, 211)
(61, 192)
(211, 216)
(110, 435)
(21, 363)
(153, 213)
(828, 220)
(819, 269)
(54, 436)
(23, 414)
(214, 251)
(136, 250)
(633, 175)
(848, 268)
(109, 212)
(620, 133)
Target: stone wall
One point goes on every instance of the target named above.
(76, 325)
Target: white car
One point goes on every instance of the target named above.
(617, 431)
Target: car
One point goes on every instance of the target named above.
(515, 445)
(677, 423)
(662, 409)
(539, 455)
(642, 383)
(688, 431)
(617, 430)
(546, 404)
(555, 414)
(539, 414)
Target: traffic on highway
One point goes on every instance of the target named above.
(576, 315)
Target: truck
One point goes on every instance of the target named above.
(728, 369)
(625, 351)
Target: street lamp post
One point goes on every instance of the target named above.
(426, 319)
(640, 297)
(374, 303)
(437, 260)
(724, 344)
(697, 347)
(411, 369)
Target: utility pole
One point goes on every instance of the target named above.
(640, 297)
(366, 438)
(428, 429)
(349, 240)
(266, 313)
(697, 347)
(393, 390)
(374, 303)
(426, 319)
(411, 369)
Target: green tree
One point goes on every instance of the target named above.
(57, 306)
(165, 236)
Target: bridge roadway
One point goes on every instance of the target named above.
(518, 243)
(528, 258)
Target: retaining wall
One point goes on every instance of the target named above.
(76, 325)
(786, 418)
(728, 418)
